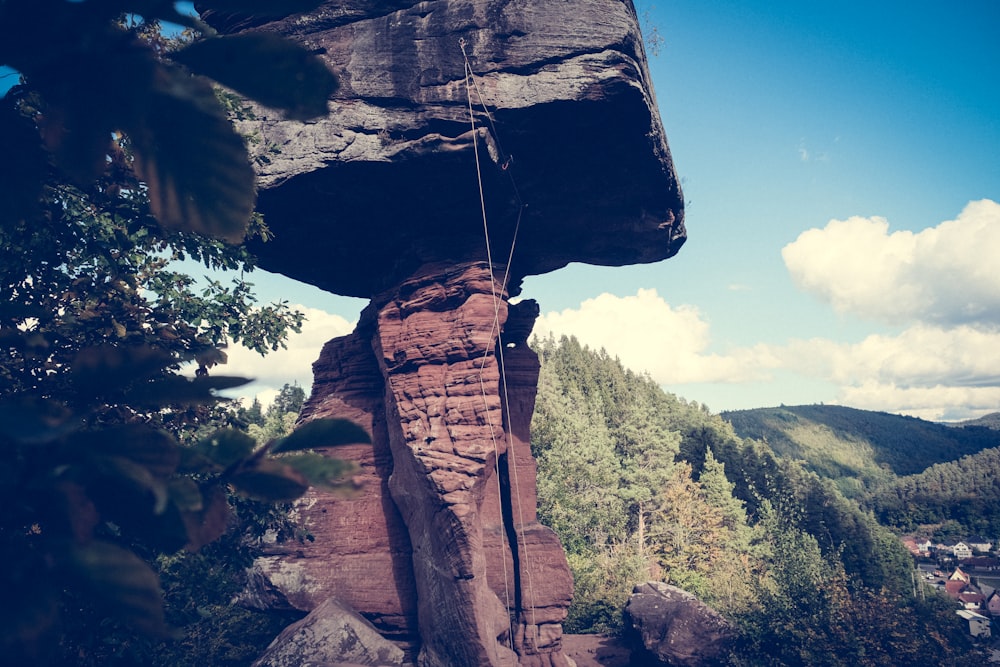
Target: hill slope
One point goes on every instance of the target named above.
(859, 448)
(963, 491)
(641, 484)
(991, 420)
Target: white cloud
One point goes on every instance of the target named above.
(806, 155)
(919, 356)
(925, 371)
(290, 365)
(943, 274)
(648, 335)
(937, 403)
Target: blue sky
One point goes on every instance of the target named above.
(841, 167)
(841, 164)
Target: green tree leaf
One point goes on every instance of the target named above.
(123, 471)
(213, 195)
(153, 449)
(128, 587)
(322, 433)
(270, 481)
(185, 494)
(267, 68)
(176, 390)
(225, 447)
(34, 421)
(320, 470)
(100, 370)
(209, 522)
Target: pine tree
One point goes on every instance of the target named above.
(647, 453)
(578, 476)
(718, 491)
(689, 534)
(290, 399)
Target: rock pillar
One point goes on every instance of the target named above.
(434, 342)
(439, 371)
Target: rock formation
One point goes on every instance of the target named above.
(471, 143)
(677, 628)
(331, 634)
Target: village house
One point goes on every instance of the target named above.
(960, 550)
(979, 544)
(992, 606)
(979, 625)
(960, 588)
(971, 600)
(977, 604)
(981, 563)
(958, 575)
(922, 547)
(955, 587)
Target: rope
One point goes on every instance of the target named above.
(496, 318)
(496, 329)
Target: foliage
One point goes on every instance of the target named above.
(94, 75)
(198, 593)
(606, 440)
(85, 499)
(652, 37)
(687, 531)
(962, 493)
(280, 417)
(806, 575)
(125, 157)
(809, 614)
(96, 270)
(602, 582)
(991, 420)
(870, 554)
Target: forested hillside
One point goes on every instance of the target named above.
(965, 492)
(642, 485)
(859, 449)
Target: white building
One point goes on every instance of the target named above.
(980, 544)
(962, 550)
(979, 625)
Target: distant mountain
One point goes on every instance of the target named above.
(991, 420)
(859, 449)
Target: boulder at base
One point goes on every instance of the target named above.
(332, 634)
(676, 627)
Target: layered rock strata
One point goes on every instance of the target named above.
(572, 149)
(441, 547)
(532, 123)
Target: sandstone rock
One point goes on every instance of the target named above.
(361, 549)
(676, 627)
(436, 549)
(537, 571)
(435, 347)
(572, 147)
(332, 634)
(564, 156)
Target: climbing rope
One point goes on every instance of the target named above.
(496, 329)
